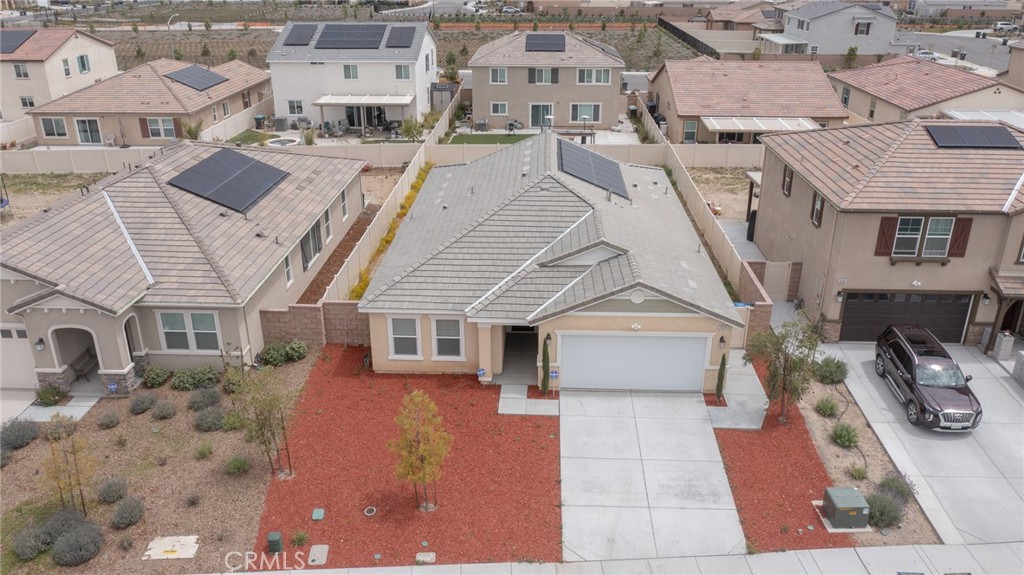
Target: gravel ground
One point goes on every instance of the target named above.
(378, 183)
(727, 188)
(31, 193)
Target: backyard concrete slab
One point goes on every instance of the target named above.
(670, 405)
(685, 532)
(674, 566)
(838, 562)
(599, 437)
(680, 440)
(511, 406)
(997, 558)
(597, 403)
(949, 559)
(687, 484)
(627, 567)
(774, 564)
(600, 533)
(984, 509)
(610, 482)
(892, 560)
(723, 565)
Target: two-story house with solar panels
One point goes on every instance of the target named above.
(356, 75)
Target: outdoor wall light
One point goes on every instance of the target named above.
(721, 342)
(547, 338)
(40, 344)
(839, 296)
(985, 300)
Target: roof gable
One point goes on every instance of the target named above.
(45, 41)
(913, 83)
(510, 51)
(814, 10)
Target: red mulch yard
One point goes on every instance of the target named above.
(775, 473)
(499, 492)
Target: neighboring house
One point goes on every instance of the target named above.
(1014, 74)
(833, 28)
(151, 104)
(511, 252)
(712, 101)
(914, 222)
(751, 15)
(547, 79)
(358, 75)
(933, 8)
(43, 64)
(907, 87)
(140, 271)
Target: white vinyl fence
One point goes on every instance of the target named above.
(80, 160)
(235, 124)
(17, 130)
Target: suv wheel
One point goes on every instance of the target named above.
(912, 414)
(879, 365)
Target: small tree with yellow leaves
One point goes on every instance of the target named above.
(421, 447)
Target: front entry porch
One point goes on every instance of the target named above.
(519, 366)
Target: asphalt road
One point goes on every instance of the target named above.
(988, 52)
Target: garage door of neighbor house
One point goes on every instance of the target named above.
(633, 361)
(17, 368)
(865, 315)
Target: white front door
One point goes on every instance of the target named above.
(633, 361)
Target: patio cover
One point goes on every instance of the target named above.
(1010, 286)
(367, 100)
(758, 124)
(1013, 117)
(782, 39)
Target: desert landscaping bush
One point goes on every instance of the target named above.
(827, 407)
(196, 378)
(155, 376)
(210, 419)
(279, 353)
(886, 510)
(112, 490)
(200, 399)
(108, 420)
(857, 472)
(233, 421)
(204, 450)
(128, 512)
(845, 435)
(233, 377)
(60, 427)
(296, 350)
(28, 543)
(50, 395)
(5, 457)
(17, 433)
(141, 403)
(164, 410)
(60, 522)
(897, 485)
(237, 465)
(192, 500)
(78, 545)
(831, 370)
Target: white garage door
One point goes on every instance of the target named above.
(627, 361)
(17, 368)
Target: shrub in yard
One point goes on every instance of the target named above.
(237, 465)
(826, 407)
(17, 433)
(831, 370)
(128, 513)
(296, 350)
(60, 522)
(844, 435)
(60, 427)
(155, 376)
(857, 472)
(164, 410)
(112, 490)
(274, 354)
(192, 500)
(28, 543)
(233, 421)
(210, 419)
(300, 538)
(5, 457)
(141, 403)
(898, 485)
(197, 378)
(50, 395)
(204, 451)
(126, 543)
(233, 377)
(200, 399)
(108, 420)
(886, 510)
(78, 545)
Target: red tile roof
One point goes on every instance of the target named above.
(44, 43)
(913, 83)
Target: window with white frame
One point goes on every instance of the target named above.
(594, 76)
(448, 338)
(499, 108)
(404, 336)
(814, 49)
(189, 331)
(871, 109)
(908, 235)
(288, 278)
(21, 71)
(542, 75)
(67, 67)
(295, 107)
(787, 180)
(351, 71)
(591, 111)
(226, 108)
(246, 100)
(160, 127)
(311, 245)
(845, 97)
(817, 208)
(936, 239)
(83, 64)
(344, 205)
(327, 223)
(689, 131)
(499, 76)
(402, 72)
(88, 131)
(213, 111)
(862, 29)
(28, 102)
(54, 128)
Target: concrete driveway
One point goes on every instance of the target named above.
(642, 477)
(971, 485)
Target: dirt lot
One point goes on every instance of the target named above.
(31, 193)
(725, 187)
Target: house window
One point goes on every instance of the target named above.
(88, 131)
(54, 128)
(936, 239)
(845, 97)
(817, 207)
(295, 107)
(426, 63)
(185, 331)
(499, 76)
(594, 76)
(404, 337)
(213, 110)
(787, 180)
(908, 235)
(311, 245)
(344, 205)
(351, 71)
(225, 107)
(814, 49)
(6, 334)
(67, 67)
(21, 71)
(448, 338)
(402, 72)
(161, 127)
(689, 131)
(28, 102)
(862, 29)
(871, 109)
(288, 279)
(541, 76)
(246, 100)
(499, 108)
(730, 137)
(83, 64)
(327, 224)
(903, 115)
(591, 111)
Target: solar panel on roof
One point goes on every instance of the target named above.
(973, 137)
(196, 77)
(591, 167)
(401, 36)
(13, 39)
(230, 179)
(545, 43)
(300, 35)
(355, 37)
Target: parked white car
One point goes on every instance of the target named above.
(927, 55)
(510, 10)
(1004, 27)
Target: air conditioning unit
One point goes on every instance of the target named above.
(845, 508)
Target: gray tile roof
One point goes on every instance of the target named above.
(281, 53)
(499, 252)
(510, 50)
(196, 251)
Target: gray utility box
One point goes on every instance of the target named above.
(846, 508)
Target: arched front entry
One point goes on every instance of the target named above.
(76, 348)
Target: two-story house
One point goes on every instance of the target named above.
(757, 16)
(151, 104)
(709, 101)
(547, 79)
(357, 75)
(920, 222)
(833, 28)
(42, 64)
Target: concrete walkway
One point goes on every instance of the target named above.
(75, 408)
(746, 402)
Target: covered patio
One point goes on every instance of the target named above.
(745, 130)
(362, 112)
(782, 44)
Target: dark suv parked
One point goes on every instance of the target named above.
(926, 380)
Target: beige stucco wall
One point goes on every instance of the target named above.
(1015, 70)
(996, 98)
(519, 94)
(426, 363)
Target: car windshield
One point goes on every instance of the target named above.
(940, 376)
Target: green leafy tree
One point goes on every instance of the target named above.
(192, 131)
(545, 368)
(421, 447)
(232, 55)
(207, 24)
(756, 54)
(450, 59)
(251, 54)
(464, 51)
(205, 52)
(851, 56)
(265, 405)
(411, 129)
(177, 54)
(140, 54)
(789, 357)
